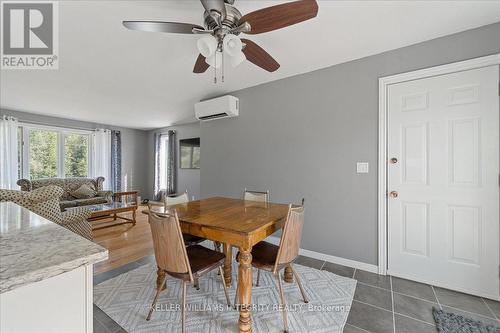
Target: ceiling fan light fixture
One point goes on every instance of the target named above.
(237, 59)
(207, 45)
(214, 60)
(232, 45)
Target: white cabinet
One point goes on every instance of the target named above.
(62, 303)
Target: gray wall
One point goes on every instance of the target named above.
(134, 154)
(187, 179)
(302, 136)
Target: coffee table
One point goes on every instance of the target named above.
(105, 211)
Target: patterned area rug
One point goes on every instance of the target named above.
(127, 298)
(448, 322)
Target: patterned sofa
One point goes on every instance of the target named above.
(69, 186)
(44, 201)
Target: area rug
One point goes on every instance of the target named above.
(448, 322)
(127, 299)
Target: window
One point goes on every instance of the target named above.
(76, 155)
(47, 152)
(42, 154)
(163, 162)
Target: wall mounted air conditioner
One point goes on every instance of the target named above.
(220, 107)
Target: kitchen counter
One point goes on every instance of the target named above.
(33, 248)
(46, 274)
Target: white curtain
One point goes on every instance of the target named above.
(102, 156)
(8, 153)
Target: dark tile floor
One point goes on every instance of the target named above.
(381, 303)
(390, 304)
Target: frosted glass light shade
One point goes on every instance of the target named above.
(207, 45)
(237, 59)
(232, 45)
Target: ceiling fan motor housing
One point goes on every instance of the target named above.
(231, 21)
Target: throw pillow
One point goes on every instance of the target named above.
(84, 192)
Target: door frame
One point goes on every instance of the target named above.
(384, 83)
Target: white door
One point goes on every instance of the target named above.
(443, 226)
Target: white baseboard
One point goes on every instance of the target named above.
(333, 259)
(317, 255)
(495, 297)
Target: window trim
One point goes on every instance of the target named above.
(61, 133)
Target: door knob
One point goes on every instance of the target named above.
(394, 160)
(393, 194)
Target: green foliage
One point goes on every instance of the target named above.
(44, 151)
(43, 154)
(75, 155)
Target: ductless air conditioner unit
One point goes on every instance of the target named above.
(220, 107)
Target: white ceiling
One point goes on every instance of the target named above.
(111, 75)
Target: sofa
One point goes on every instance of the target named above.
(73, 194)
(44, 201)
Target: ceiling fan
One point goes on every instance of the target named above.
(223, 23)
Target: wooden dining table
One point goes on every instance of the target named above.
(238, 223)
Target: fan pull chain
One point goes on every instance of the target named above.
(222, 67)
(215, 68)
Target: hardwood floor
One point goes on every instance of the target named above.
(125, 243)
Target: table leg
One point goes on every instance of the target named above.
(245, 289)
(160, 273)
(288, 276)
(134, 216)
(228, 251)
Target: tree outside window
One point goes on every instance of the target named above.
(51, 152)
(76, 155)
(43, 153)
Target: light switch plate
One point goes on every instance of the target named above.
(362, 167)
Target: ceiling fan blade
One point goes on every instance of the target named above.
(257, 55)
(280, 16)
(200, 66)
(157, 26)
(217, 5)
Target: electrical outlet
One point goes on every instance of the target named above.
(362, 167)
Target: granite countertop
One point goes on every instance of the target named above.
(33, 248)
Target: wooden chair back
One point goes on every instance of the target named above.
(176, 199)
(256, 196)
(169, 247)
(290, 238)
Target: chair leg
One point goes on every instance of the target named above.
(258, 277)
(158, 291)
(283, 303)
(300, 284)
(225, 286)
(196, 283)
(183, 306)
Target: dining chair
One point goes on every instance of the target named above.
(175, 199)
(259, 196)
(178, 198)
(175, 259)
(256, 195)
(272, 258)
